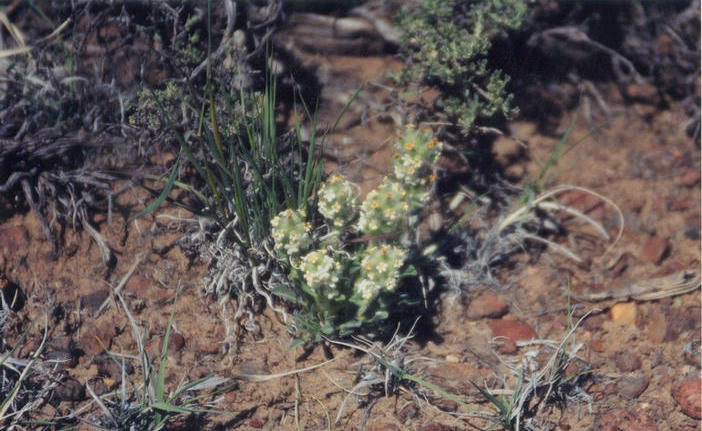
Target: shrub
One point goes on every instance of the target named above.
(445, 44)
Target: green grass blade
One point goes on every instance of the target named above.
(164, 194)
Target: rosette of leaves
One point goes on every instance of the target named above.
(347, 266)
(445, 45)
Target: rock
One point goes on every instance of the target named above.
(688, 394)
(622, 419)
(96, 333)
(692, 352)
(593, 322)
(627, 361)
(433, 426)
(452, 358)
(454, 377)
(409, 412)
(679, 320)
(14, 242)
(597, 345)
(645, 93)
(624, 312)
(70, 389)
(509, 332)
(256, 423)
(383, 426)
(94, 300)
(656, 249)
(486, 305)
(630, 387)
(690, 178)
(176, 342)
(109, 368)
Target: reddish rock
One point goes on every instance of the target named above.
(101, 331)
(176, 342)
(433, 426)
(14, 241)
(509, 332)
(688, 394)
(256, 423)
(486, 305)
(656, 249)
(624, 420)
(690, 177)
(138, 285)
(627, 361)
(383, 426)
(597, 345)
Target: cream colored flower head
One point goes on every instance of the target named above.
(416, 150)
(338, 201)
(380, 270)
(383, 208)
(321, 272)
(290, 232)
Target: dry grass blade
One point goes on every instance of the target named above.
(542, 202)
(648, 290)
(266, 377)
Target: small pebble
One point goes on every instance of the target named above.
(624, 312)
(486, 305)
(627, 361)
(630, 387)
(692, 352)
(656, 249)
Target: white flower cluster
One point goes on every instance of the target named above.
(321, 272)
(291, 232)
(383, 208)
(380, 270)
(337, 201)
(416, 149)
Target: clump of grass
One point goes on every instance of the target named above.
(147, 404)
(537, 386)
(24, 383)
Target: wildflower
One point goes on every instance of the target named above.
(415, 150)
(380, 270)
(337, 201)
(321, 272)
(383, 208)
(291, 232)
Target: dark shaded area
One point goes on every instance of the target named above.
(564, 45)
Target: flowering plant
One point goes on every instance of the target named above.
(346, 265)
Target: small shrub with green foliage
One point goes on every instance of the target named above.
(445, 44)
(347, 265)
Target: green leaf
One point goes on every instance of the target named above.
(288, 294)
(164, 194)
